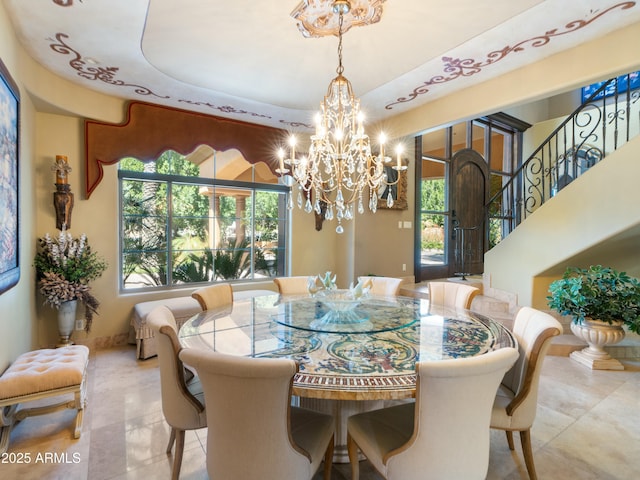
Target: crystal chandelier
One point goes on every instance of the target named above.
(340, 170)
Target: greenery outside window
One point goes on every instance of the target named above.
(179, 228)
(433, 212)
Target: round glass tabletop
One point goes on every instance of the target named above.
(365, 315)
(371, 355)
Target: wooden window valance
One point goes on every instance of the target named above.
(150, 130)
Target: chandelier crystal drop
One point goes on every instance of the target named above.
(340, 174)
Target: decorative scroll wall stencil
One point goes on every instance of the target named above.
(102, 74)
(455, 68)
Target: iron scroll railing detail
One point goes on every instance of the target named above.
(603, 123)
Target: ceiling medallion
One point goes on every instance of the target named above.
(315, 18)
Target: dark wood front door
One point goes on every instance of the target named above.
(469, 189)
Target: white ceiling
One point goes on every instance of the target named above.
(247, 60)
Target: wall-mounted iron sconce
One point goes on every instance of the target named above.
(62, 197)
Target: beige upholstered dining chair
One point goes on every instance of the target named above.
(213, 296)
(292, 285)
(182, 403)
(445, 433)
(517, 399)
(452, 294)
(253, 431)
(385, 286)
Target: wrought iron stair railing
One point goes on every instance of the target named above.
(608, 119)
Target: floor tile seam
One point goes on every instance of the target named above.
(156, 459)
(201, 440)
(579, 417)
(573, 421)
(128, 426)
(127, 471)
(614, 392)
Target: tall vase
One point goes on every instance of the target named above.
(66, 322)
(597, 334)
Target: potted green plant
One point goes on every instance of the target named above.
(601, 301)
(64, 268)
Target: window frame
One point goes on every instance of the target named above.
(170, 179)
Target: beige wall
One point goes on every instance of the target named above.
(97, 217)
(371, 244)
(381, 246)
(17, 306)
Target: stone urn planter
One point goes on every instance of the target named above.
(66, 322)
(598, 334)
(603, 302)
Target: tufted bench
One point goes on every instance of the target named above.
(39, 375)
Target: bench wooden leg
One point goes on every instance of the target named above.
(10, 415)
(80, 399)
(7, 421)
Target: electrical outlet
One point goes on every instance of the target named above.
(80, 324)
(404, 267)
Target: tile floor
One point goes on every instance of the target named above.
(587, 428)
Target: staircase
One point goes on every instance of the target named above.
(595, 220)
(604, 123)
(591, 220)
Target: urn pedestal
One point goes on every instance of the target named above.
(597, 334)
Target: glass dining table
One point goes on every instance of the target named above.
(353, 356)
(364, 350)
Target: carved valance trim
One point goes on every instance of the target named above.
(150, 130)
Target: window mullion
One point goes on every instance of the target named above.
(169, 234)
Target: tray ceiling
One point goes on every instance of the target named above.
(248, 60)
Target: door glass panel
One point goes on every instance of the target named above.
(434, 215)
(458, 138)
(499, 212)
(495, 231)
(477, 138)
(433, 143)
(501, 144)
(433, 186)
(432, 250)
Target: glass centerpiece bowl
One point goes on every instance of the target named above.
(338, 300)
(341, 312)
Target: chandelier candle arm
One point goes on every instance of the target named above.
(340, 166)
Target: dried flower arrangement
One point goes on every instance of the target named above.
(64, 268)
